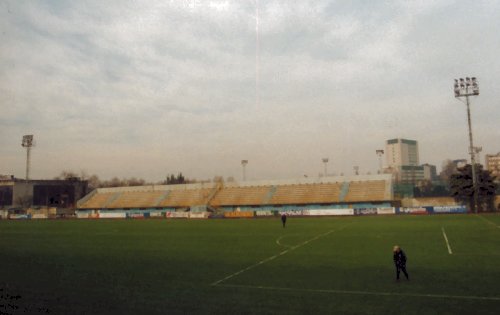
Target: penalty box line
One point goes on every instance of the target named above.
(218, 282)
(488, 221)
(352, 292)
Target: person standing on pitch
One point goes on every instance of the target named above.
(283, 219)
(400, 262)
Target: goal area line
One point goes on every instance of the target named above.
(354, 292)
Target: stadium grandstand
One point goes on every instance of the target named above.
(275, 195)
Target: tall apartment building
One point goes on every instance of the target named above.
(492, 162)
(401, 152)
(403, 160)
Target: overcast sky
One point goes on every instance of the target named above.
(149, 88)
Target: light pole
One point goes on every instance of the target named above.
(356, 170)
(244, 164)
(28, 144)
(466, 88)
(325, 161)
(379, 153)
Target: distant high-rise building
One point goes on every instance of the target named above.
(403, 160)
(430, 172)
(401, 152)
(492, 162)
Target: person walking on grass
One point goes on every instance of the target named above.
(283, 219)
(400, 262)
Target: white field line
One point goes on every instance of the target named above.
(278, 241)
(488, 221)
(447, 243)
(272, 257)
(439, 296)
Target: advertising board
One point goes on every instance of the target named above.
(321, 212)
(386, 210)
(264, 213)
(157, 214)
(198, 215)
(238, 214)
(177, 214)
(39, 216)
(18, 216)
(292, 213)
(450, 209)
(112, 215)
(415, 210)
(365, 211)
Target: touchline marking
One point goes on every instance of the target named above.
(272, 257)
(439, 296)
(488, 221)
(446, 239)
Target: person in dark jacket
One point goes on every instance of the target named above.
(283, 219)
(400, 262)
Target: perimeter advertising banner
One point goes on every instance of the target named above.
(365, 211)
(413, 210)
(135, 215)
(450, 209)
(39, 216)
(264, 213)
(112, 215)
(83, 214)
(198, 215)
(238, 214)
(320, 212)
(19, 216)
(291, 213)
(386, 210)
(157, 214)
(177, 214)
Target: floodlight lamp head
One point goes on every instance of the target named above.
(244, 162)
(27, 141)
(325, 160)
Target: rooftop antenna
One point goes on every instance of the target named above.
(379, 153)
(28, 143)
(325, 161)
(244, 164)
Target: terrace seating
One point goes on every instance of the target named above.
(366, 191)
(307, 193)
(136, 199)
(97, 201)
(268, 194)
(240, 196)
(186, 197)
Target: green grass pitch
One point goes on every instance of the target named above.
(251, 266)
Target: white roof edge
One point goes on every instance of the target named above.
(317, 180)
(296, 181)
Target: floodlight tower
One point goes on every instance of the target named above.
(325, 161)
(466, 88)
(379, 153)
(244, 164)
(356, 170)
(28, 143)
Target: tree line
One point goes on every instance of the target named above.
(95, 182)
